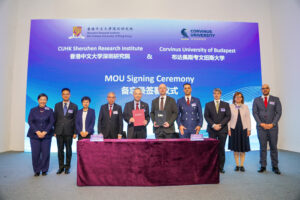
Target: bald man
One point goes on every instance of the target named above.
(267, 112)
(110, 121)
(167, 104)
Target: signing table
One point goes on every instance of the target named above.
(147, 162)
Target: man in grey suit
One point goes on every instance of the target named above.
(168, 104)
(267, 112)
(136, 104)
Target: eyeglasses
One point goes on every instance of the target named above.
(265, 88)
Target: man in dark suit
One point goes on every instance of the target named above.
(65, 114)
(217, 114)
(190, 117)
(110, 121)
(267, 112)
(168, 104)
(136, 104)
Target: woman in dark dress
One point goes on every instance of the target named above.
(239, 130)
(40, 120)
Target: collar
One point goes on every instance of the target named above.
(165, 97)
(190, 97)
(263, 97)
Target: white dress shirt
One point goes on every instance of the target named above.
(84, 114)
(164, 103)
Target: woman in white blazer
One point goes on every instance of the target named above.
(239, 130)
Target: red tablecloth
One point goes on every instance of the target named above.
(139, 162)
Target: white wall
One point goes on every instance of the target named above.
(7, 43)
(230, 10)
(286, 34)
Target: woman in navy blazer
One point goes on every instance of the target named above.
(41, 121)
(85, 120)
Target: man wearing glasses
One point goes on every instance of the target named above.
(267, 112)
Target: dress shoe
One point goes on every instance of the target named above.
(276, 170)
(242, 168)
(37, 174)
(261, 170)
(67, 171)
(222, 171)
(60, 170)
(44, 173)
(237, 168)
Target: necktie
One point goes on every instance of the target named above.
(110, 106)
(137, 106)
(217, 106)
(266, 102)
(188, 101)
(65, 109)
(161, 103)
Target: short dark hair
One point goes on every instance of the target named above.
(65, 89)
(86, 98)
(187, 84)
(42, 95)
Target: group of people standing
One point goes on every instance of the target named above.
(66, 123)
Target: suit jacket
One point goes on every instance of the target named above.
(222, 117)
(65, 125)
(171, 114)
(113, 124)
(189, 116)
(40, 121)
(127, 114)
(89, 122)
(245, 116)
(269, 115)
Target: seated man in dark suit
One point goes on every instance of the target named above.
(167, 104)
(110, 121)
(65, 113)
(136, 104)
(217, 114)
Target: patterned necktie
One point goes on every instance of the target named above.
(188, 101)
(217, 106)
(110, 106)
(266, 102)
(65, 109)
(161, 103)
(137, 106)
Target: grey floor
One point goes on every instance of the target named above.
(17, 182)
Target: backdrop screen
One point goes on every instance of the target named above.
(95, 56)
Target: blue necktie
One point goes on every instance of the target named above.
(65, 109)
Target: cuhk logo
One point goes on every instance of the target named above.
(77, 32)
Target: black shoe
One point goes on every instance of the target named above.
(242, 168)
(37, 174)
(60, 170)
(44, 173)
(237, 168)
(222, 171)
(261, 170)
(276, 170)
(67, 171)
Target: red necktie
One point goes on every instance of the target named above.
(266, 102)
(188, 101)
(137, 106)
(110, 110)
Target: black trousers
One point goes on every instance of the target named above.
(222, 138)
(161, 134)
(64, 141)
(137, 133)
